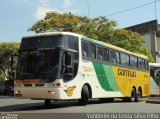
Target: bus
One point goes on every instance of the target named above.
(154, 79)
(67, 66)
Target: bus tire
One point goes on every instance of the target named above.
(84, 96)
(139, 92)
(134, 96)
(47, 102)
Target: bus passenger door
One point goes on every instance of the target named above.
(70, 65)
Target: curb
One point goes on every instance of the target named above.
(2, 97)
(152, 100)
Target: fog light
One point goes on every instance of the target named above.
(17, 92)
(52, 91)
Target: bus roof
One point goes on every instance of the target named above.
(89, 39)
(114, 47)
(52, 34)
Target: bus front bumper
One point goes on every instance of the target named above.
(40, 93)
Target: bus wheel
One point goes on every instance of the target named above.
(84, 96)
(139, 92)
(47, 102)
(134, 97)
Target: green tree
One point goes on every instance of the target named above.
(129, 40)
(7, 63)
(99, 28)
(2, 77)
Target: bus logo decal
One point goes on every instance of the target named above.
(70, 90)
(128, 73)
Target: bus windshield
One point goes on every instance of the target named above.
(42, 42)
(41, 57)
(43, 64)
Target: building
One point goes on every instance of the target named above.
(150, 31)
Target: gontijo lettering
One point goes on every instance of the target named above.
(128, 73)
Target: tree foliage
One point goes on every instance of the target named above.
(129, 40)
(99, 28)
(7, 67)
(2, 77)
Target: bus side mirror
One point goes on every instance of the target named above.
(157, 73)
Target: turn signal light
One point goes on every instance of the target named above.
(58, 84)
(52, 91)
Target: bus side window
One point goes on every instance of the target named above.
(136, 62)
(106, 54)
(140, 63)
(117, 58)
(92, 51)
(133, 61)
(143, 65)
(99, 53)
(84, 54)
(146, 65)
(85, 49)
(114, 57)
(124, 59)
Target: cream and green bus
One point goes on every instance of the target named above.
(154, 79)
(67, 66)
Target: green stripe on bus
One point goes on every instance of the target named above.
(106, 77)
(112, 79)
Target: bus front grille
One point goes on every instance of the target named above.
(27, 85)
(39, 85)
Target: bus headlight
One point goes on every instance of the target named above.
(17, 92)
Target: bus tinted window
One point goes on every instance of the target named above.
(117, 57)
(92, 53)
(141, 63)
(146, 65)
(42, 42)
(124, 59)
(114, 56)
(99, 53)
(85, 49)
(72, 42)
(133, 61)
(106, 54)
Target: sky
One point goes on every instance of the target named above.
(17, 16)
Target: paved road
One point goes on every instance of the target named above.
(10, 104)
